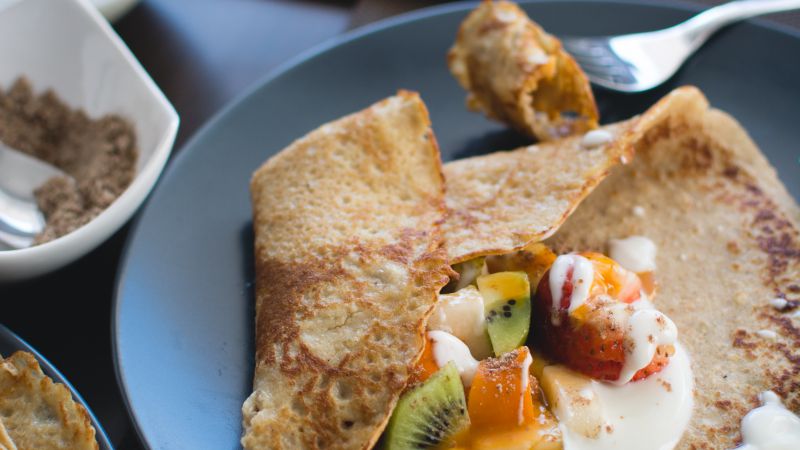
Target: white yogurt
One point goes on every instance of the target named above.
(647, 328)
(446, 348)
(778, 303)
(461, 314)
(767, 334)
(596, 138)
(770, 426)
(582, 278)
(648, 414)
(635, 253)
(526, 370)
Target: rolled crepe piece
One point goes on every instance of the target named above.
(518, 74)
(348, 263)
(500, 202)
(37, 413)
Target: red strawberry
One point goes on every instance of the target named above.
(591, 339)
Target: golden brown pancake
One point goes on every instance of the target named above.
(38, 414)
(348, 264)
(518, 74)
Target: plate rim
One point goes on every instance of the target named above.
(6, 334)
(187, 149)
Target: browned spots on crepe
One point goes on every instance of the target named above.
(348, 263)
(713, 202)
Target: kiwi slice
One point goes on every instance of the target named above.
(430, 413)
(507, 305)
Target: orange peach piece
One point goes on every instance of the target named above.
(500, 396)
(426, 366)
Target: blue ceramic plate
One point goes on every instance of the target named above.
(184, 307)
(10, 343)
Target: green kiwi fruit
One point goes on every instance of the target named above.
(429, 413)
(507, 305)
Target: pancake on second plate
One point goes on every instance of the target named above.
(36, 413)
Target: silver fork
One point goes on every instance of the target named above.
(641, 61)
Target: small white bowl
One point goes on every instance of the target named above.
(114, 9)
(67, 46)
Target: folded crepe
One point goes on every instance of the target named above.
(500, 202)
(348, 264)
(36, 413)
(349, 257)
(726, 230)
(518, 74)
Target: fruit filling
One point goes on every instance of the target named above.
(583, 310)
(594, 317)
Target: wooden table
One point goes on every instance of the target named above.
(202, 53)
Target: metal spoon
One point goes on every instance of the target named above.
(20, 218)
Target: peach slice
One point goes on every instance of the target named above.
(504, 412)
(500, 396)
(426, 365)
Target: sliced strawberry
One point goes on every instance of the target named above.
(660, 360)
(591, 339)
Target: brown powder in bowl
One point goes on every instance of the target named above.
(100, 154)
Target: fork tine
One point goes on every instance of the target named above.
(602, 67)
(593, 65)
(586, 47)
(606, 75)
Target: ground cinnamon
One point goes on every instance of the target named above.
(100, 154)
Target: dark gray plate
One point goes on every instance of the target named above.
(184, 308)
(10, 343)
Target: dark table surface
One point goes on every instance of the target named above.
(202, 53)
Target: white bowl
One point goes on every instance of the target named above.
(66, 45)
(114, 9)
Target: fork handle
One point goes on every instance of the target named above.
(700, 27)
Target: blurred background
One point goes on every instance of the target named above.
(203, 54)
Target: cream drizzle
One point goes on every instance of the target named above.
(446, 348)
(596, 138)
(526, 370)
(582, 278)
(770, 426)
(635, 253)
(648, 414)
(778, 303)
(647, 329)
